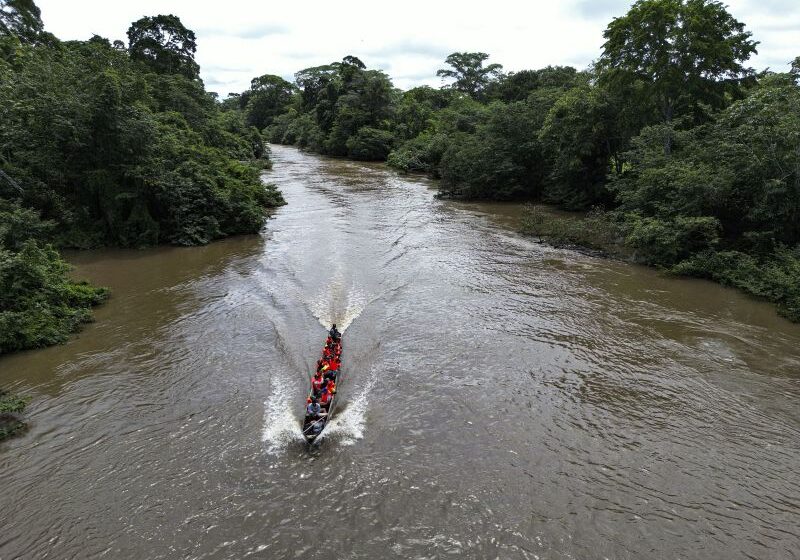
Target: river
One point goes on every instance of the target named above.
(501, 399)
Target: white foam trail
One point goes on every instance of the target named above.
(281, 427)
(347, 427)
(333, 305)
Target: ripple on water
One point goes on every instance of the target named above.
(501, 399)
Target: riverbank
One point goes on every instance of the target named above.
(188, 392)
(773, 276)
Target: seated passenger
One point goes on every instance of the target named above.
(325, 398)
(314, 410)
(334, 333)
(317, 382)
(331, 386)
(330, 375)
(334, 364)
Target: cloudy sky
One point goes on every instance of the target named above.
(240, 39)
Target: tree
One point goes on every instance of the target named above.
(21, 18)
(370, 144)
(684, 53)
(312, 81)
(517, 86)
(469, 73)
(501, 160)
(795, 71)
(577, 136)
(268, 97)
(415, 109)
(164, 44)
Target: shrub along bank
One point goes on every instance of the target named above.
(108, 144)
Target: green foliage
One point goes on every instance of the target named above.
(335, 102)
(10, 407)
(116, 154)
(743, 170)
(773, 277)
(666, 242)
(468, 72)
(370, 144)
(11, 404)
(517, 86)
(416, 109)
(21, 18)
(497, 151)
(106, 146)
(306, 133)
(597, 230)
(39, 304)
(164, 45)
(501, 160)
(576, 138)
(18, 225)
(420, 154)
(684, 54)
(268, 97)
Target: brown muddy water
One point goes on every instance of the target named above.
(502, 399)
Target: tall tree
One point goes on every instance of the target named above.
(21, 18)
(795, 71)
(313, 81)
(163, 43)
(470, 76)
(268, 97)
(682, 53)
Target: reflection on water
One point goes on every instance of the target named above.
(501, 399)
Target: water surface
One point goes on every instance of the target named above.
(502, 399)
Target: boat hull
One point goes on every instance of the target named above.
(314, 427)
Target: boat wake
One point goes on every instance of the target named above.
(281, 426)
(338, 304)
(347, 426)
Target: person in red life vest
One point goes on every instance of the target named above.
(331, 386)
(326, 397)
(327, 354)
(317, 382)
(333, 368)
(330, 375)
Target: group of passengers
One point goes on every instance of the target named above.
(323, 384)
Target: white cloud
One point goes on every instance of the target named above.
(238, 40)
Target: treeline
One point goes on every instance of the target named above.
(106, 144)
(690, 156)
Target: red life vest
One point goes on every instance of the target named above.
(317, 382)
(334, 364)
(325, 398)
